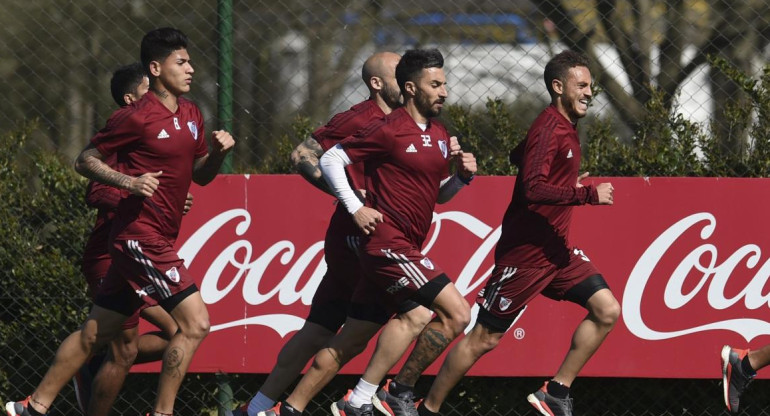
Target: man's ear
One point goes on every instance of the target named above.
(375, 83)
(155, 68)
(410, 88)
(128, 98)
(557, 86)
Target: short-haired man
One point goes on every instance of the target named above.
(161, 148)
(406, 159)
(533, 255)
(331, 303)
(102, 376)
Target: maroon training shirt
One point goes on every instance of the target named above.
(346, 124)
(535, 227)
(148, 137)
(404, 166)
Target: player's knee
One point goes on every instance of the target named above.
(460, 319)
(416, 319)
(198, 328)
(607, 314)
(126, 354)
(485, 343)
(88, 340)
(482, 339)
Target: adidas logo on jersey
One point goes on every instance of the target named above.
(163, 134)
(569, 155)
(411, 149)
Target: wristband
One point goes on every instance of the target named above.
(465, 181)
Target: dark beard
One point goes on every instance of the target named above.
(425, 106)
(392, 97)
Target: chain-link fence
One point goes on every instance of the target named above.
(296, 62)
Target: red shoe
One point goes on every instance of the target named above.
(18, 408)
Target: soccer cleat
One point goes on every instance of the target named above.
(734, 379)
(391, 405)
(548, 405)
(344, 408)
(18, 408)
(82, 383)
(275, 411)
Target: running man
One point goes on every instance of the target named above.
(161, 147)
(407, 158)
(534, 254)
(103, 375)
(331, 303)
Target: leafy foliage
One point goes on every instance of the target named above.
(44, 226)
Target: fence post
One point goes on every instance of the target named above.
(225, 74)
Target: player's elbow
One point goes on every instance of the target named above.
(80, 165)
(296, 158)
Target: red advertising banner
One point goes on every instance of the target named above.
(684, 256)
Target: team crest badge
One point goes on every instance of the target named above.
(193, 129)
(426, 263)
(505, 303)
(443, 147)
(173, 274)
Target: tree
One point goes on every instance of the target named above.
(638, 28)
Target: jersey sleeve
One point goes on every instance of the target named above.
(101, 196)
(539, 152)
(123, 128)
(332, 132)
(371, 142)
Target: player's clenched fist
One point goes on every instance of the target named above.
(222, 141)
(454, 146)
(145, 185)
(466, 165)
(187, 204)
(605, 191)
(367, 219)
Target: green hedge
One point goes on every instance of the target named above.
(42, 292)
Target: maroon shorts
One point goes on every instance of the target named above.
(147, 271)
(331, 301)
(509, 289)
(395, 276)
(95, 271)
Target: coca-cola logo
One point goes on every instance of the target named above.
(700, 272)
(250, 266)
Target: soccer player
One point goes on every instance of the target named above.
(407, 158)
(534, 254)
(129, 83)
(161, 148)
(739, 367)
(331, 302)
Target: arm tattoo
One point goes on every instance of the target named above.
(430, 344)
(172, 360)
(90, 165)
(306, 164)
